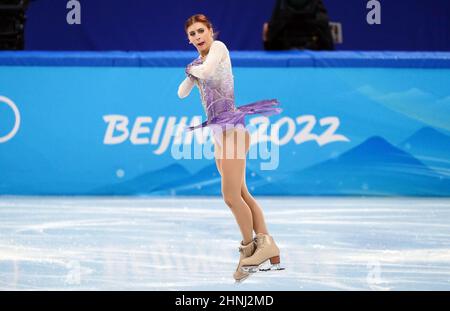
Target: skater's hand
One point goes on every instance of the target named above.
(188, 73)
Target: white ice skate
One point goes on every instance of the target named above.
(265, 258)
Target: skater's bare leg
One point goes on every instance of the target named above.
(259, 224)
(232, 168)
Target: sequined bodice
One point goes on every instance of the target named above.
(215, 80)
(217, 92)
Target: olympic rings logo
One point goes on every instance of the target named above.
(14, 108)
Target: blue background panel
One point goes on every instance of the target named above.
(159, 25)
(344, 130)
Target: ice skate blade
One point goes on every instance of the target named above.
(262, 267)
(276, 267)
(250, 269)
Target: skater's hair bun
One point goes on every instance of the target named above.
(199, 18)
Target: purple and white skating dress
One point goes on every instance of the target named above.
(214, 79)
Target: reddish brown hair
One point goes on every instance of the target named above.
(198, 18)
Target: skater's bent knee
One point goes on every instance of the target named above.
(231, 199)
(245, 194)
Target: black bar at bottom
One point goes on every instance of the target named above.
(196, 300)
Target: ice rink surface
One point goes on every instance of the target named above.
(123, 243)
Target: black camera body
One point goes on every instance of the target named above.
(299, 24)
(12, 24)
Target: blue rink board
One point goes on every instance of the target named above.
(353, 123)
(240, 58)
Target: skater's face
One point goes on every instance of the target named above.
(200, 36)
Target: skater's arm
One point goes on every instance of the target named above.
(185, 87)
(217, 51)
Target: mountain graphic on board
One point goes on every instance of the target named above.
(375, 167)
(430, 147)
(145, 183)
(207, 181)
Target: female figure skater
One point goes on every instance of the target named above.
(211, 72)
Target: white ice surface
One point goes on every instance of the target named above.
(90, 243)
